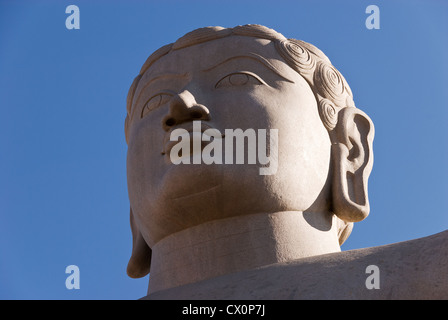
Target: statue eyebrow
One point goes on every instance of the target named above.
(252, 56)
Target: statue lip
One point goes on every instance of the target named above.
(189, 127)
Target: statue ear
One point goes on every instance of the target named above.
(352, 157)
(140, 262)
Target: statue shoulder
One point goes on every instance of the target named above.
(413, 269)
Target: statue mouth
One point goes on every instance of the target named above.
(191, 131)
(194, 142)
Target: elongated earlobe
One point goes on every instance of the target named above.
(352, 157)
(140, 261)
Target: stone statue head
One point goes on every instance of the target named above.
(243, 77)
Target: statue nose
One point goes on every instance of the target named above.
(182, 108)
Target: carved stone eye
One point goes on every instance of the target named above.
(238, 79)
(154, 102)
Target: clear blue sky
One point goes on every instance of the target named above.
(63, 192)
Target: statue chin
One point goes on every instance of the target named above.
(184, 180)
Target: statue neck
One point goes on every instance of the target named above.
(239, 243)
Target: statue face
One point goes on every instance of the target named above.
(236, 82)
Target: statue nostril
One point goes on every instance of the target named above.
(196, 114)
(170, 122)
